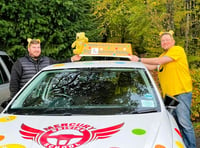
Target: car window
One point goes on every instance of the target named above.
(8, 61)
(3, 76)
(88, 91)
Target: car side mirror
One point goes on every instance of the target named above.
(170, 102)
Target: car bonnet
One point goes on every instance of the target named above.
(110, 131)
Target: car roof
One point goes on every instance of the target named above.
(96, 64)
(3, 53)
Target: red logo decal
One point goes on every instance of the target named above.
(67, 135)
(179, 133)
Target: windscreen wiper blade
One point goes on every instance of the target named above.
(149, 110)
(41, 111)
(56, 112)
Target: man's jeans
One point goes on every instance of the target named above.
(182, 115)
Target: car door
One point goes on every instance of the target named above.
(5, 68)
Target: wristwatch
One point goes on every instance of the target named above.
(139, 60)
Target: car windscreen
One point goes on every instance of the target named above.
(102, 91)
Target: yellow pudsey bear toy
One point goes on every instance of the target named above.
(81, 39)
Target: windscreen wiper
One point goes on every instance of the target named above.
(39, 111)
(149, 110)
(56, 112)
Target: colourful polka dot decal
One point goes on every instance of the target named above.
(90, 63)
(1, 137)
(120, 62)
(179, 144)
(12, 146)
(159, 146)
(138, 131)
(7, 118)
(58, 65)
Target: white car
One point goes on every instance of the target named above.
(89, 104)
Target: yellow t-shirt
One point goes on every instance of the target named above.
(174, 76)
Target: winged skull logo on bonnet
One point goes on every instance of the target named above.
(62, 135)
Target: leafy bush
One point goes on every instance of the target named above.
(197, 128)
(196, 95)
(54, 22)
(194, 61)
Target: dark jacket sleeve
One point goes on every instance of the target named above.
(16, 74)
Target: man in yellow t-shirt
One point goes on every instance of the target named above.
(174, 76)
(175, 80)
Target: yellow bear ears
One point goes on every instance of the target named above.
(29, 40)
(171, 32)
(33, 41)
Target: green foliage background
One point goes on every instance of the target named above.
(56, 22)
(196, 95)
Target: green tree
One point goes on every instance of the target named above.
(140, 22)
(54, 22)
(113, 19)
